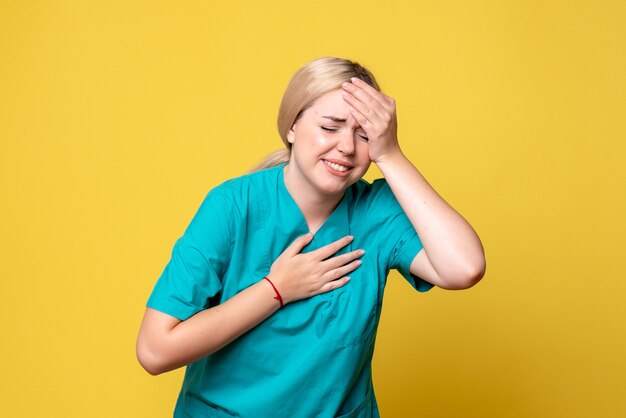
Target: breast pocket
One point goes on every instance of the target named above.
(351, 311)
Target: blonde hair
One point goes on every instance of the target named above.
(310, 82)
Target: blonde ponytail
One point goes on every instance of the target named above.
(273, 159)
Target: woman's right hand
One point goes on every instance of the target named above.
(302, 275)
(166, 343)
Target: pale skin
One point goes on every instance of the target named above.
(363, 130)
(166, 343)
(453, 256)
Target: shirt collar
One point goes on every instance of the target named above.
(336, 226)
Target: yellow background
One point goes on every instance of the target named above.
(117, 117)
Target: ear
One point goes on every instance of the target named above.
(291, 135)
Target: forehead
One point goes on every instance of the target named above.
(331, 104)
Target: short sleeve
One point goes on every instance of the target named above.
(398, 233)
(198, 261)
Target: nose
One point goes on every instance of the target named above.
(346, 143)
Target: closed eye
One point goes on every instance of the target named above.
(332, 129)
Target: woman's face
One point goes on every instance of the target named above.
(329, 149)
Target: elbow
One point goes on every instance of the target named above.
(152, 368)
(150, 361)
(467, 277)
(472, 277)
(472, 272)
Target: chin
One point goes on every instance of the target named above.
(335, 189)
(330, 185)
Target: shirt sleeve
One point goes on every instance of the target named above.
(398, 233)
(198, 262)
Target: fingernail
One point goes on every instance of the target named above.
(361, 252)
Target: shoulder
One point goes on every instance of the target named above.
(245, 185)
(245, 190)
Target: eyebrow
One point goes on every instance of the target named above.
(335, 119)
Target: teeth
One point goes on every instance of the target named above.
(336, 166)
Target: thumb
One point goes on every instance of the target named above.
(299, 243)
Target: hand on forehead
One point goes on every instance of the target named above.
(332, 107)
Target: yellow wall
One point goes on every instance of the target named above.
(116, 117)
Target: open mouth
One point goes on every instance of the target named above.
(336, 168)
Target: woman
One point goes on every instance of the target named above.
(273, 294)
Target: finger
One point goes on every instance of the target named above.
(335, 284)
(380, 103)
(340, 260)
(330, 249)
(391, 101)
(371, 114)
(379, 96)
(298, 244)
(342, 271)
(362, 101)
(360, 118)
(386, 101)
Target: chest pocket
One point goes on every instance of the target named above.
(351, 311)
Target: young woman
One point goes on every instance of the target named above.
(273, 295)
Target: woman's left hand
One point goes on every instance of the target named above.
(376, 113)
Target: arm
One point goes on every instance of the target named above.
(453, 256)
(166, 343)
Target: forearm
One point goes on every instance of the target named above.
(165, 345)
(450, 243)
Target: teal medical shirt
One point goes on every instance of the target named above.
(311, 358)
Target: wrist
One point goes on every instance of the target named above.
(277, 296)
(389, 158)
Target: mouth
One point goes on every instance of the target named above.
(337, 168)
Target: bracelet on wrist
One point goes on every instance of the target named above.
(278, 297)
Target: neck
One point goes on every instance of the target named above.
(315, 206)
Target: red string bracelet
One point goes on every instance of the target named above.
(277, 297)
